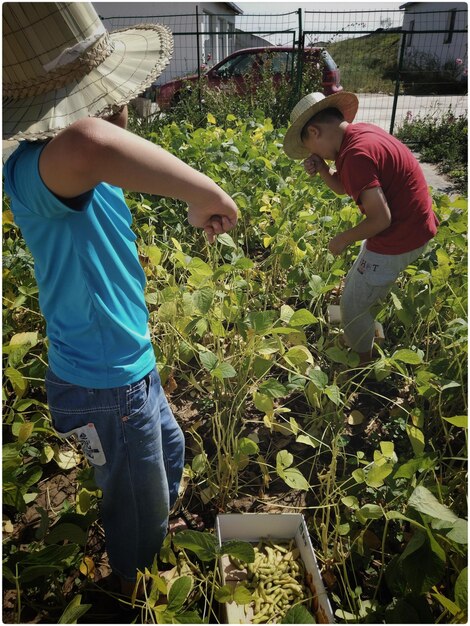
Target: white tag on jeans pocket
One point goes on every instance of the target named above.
(90, 442)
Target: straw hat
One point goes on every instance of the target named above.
(60, 64)
(309, 106)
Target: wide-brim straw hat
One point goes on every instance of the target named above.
(309, 106)
(60, 64)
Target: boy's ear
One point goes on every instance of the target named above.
(313, 131)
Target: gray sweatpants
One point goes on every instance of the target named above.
(369, 280)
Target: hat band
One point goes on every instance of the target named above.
(63, 75)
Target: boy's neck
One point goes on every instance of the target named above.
(339, 136)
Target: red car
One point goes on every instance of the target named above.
(247, 63)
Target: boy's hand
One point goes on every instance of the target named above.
(338, 244)
(314, 164)
(216, 217)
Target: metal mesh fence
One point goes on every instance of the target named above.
(400, 63)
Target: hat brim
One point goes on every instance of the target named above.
(344, 101)
(140, 55)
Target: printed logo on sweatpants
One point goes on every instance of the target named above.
(367, 267)
(90, 442)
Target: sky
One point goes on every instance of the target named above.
(317, 16)
(281, 7)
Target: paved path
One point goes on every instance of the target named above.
(377, 108)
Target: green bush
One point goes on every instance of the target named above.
(274, 100)
(441, 141)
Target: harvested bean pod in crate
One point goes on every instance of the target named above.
(284, 573)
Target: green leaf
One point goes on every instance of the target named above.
(308, 440)
(298, 615)
(52, 555)
(202, 544)
(459, 531)
(263, 402)
(290, 475)
(425, 502)
(376, 474)
(262, 321)
(337, 355)
(461, 589)
(295, 479)
(154, 254)
(34, 572)
(396, 302)
(74, 611)
(407, 356)
(226, 240)
(224, 594)
(318, 378)
(242, 595)
(387, 448)
(273, 388)
(199, 268)
(203, 298)
(422, 566)
(458, 420)
(350, 501)
(247, 446)
(408, 469)
(371, 511)
(19, 382)
(416, 437)
(239, 549)
(298, 355)
(302, 317)
(224, 370)
(453, 608)
(359, 475)
(333, 393)
(244, 263)
(66, 532)
(209, 360)
(178, 593)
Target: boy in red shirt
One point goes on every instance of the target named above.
(385, 180)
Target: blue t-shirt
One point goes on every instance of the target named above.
(91, 284)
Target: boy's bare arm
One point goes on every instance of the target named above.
(377, 219)
(316, 165)
(92, 151)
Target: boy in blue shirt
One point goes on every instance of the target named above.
(66, 84)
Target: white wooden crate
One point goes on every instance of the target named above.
(252, 527)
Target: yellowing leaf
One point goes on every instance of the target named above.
(211, 119)
(7, 217)
(87, 567)
(355, 418)
(417, 439)
(66, 459)
(25, 432)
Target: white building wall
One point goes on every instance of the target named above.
(436, 16)
(180, 17)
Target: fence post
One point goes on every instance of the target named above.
(397, 82)
(300, 58)
(198, 52)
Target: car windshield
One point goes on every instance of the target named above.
(243, 64)
(237, 66)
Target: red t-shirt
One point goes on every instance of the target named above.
(371, 157)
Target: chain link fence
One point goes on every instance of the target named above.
(401, 63)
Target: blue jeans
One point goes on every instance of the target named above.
(131, 438)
